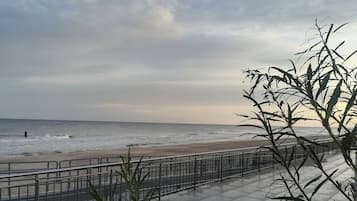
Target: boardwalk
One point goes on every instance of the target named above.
(167, 175)
(259, 187)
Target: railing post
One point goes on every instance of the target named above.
(111, 190)
(48, 167)
(195, 173)
(242, 164)
(99, 172)
(160, 167)
(78, 180)
(37, 188)
(221, 168)
(88, 178)
(201, 170)
(120, 187)
(9, 179)
(57, 167)
(258, 160)
(355, 183)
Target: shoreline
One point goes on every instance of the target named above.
(137, 151)
(152, 151)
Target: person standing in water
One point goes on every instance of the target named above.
(25, 135)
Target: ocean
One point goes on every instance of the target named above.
(47, 136)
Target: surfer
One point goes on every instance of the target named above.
(25, 135)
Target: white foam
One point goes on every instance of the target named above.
(69, 136)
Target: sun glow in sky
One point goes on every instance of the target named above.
(152, 61)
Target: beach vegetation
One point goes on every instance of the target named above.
(132, 172)
(318, 88)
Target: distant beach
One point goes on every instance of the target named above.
(58, 140)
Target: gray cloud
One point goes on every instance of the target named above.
(123, 60)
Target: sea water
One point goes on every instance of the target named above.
(47, 136)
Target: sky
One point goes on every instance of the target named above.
(148, 61)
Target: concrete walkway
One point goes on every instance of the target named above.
(262, 186)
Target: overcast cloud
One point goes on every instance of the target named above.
(154, 61)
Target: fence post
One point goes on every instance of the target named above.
(99, 172)
(221, 168)
(70, 175)
(9, 179)
(9, 168)
(78, 179)
(258, 160)
(195, 173)
(37, 188)
(160, 167)
(355, 183)
(57, 168)
(111, 190)
(88, 178)
(242, 164)
(120, 179)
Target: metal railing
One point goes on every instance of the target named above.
(13, 167)
(166, 174)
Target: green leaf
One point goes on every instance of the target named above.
(323, 84)
(287, 198)
(312, 181)
(350, 103)
(309, 73)
(328, 33)
(94, 193)
(302, 163)
(314, 45)
(299, 53)
(339, 27)
(349, 56)
(348, 141)
(293, 64)
(339, 45)
(291, 158)
(333, 100)
(338, 55)
(314, 156)
(251, 125)
(322, 183)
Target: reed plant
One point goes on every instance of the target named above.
(134, 177)
(320, 88)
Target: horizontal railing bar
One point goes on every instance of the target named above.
(135, 161)
(149, 166)
(172, 175)
(20, 162)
